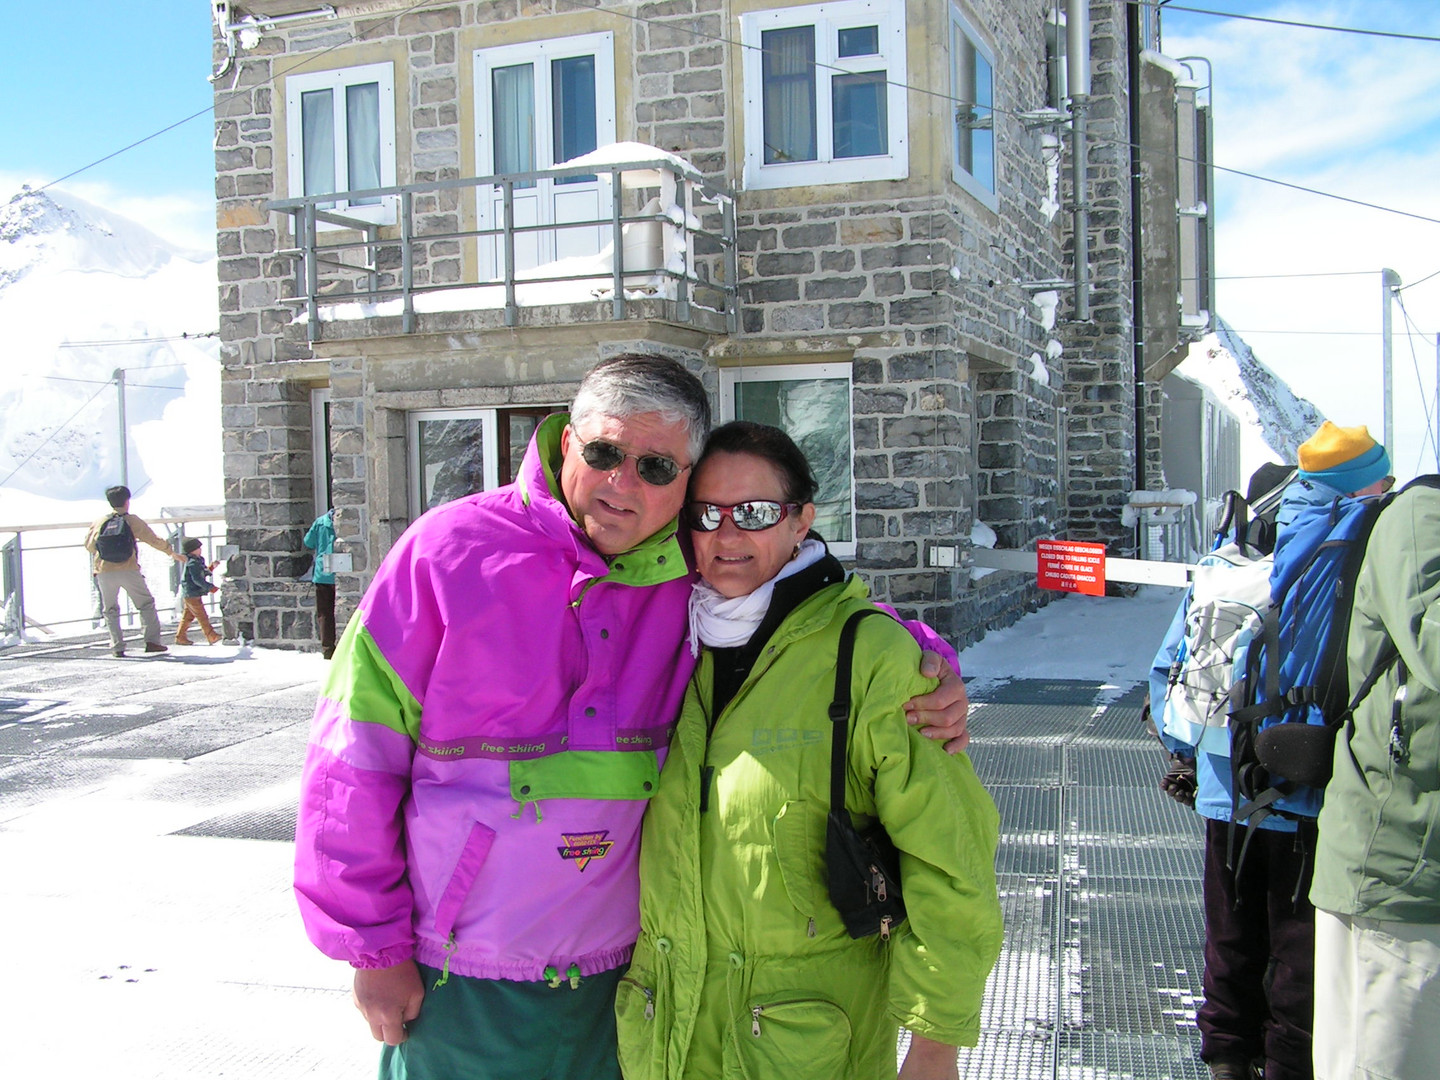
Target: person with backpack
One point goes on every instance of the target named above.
(1377, 864)
(115, 562)
(1256, 1019)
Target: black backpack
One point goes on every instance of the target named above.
(115, 542)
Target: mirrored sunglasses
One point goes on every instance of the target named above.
(750, 516)
(654, 469)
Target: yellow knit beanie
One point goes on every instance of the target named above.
(1334, 445)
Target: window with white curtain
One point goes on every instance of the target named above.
(811, 404)
(972, 84)
(539, 104)
(340, 129)
(825, 93)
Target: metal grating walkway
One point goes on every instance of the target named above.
(1099, 879)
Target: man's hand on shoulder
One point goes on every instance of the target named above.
(389, 998)
(944, 712)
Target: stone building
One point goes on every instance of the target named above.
(854, 218)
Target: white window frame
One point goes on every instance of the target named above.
(381, 213)
(599, 45)
(731, 377)
(959, 25)
(828, 19)
(489, 440)
(320, 400)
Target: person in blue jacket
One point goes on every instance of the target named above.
(1256, 1019)
(320, 538)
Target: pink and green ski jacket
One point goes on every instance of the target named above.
(492, 728)
(485, 745)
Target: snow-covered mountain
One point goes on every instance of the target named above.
(1274, 420)
(84, 292)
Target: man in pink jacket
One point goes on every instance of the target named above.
(489, 734)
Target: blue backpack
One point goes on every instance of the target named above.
(1295, 688)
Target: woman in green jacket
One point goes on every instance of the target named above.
(744, 969)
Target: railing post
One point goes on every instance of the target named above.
(312, 273)
(372, 259)
(512, 312)
(407, 263)
(732, 265)
(14, 580)
(682, 285)
(617, 246)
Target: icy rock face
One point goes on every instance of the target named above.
(1274, 420)
(37, 229)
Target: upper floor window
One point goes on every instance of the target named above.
(539, 104)
(824, 94)
(972, 84)
(340, 130)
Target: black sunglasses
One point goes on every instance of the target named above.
(654, 469)
(752, 516)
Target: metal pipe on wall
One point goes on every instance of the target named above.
(1077, 61)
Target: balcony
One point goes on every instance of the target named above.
(540, 251)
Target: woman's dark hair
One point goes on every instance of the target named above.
(770, 444)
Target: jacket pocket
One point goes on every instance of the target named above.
(638, 1032)
(793, 1038)
(799, 851)
(467, 869)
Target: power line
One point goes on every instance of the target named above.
(1422, 281)
(138, 341)
(1419, 382)
(1288, 22)
(580, 5)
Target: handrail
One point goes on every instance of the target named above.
(677, 281)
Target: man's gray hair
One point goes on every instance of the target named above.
(635, 383)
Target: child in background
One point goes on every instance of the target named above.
(195, 585)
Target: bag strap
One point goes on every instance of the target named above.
(840, 708)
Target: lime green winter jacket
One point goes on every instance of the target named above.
(743, 968)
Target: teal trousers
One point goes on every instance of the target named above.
(493, 1029)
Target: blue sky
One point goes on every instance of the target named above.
(83, 78)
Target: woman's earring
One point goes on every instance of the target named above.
(795, 554)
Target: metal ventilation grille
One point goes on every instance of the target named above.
(1099, 877)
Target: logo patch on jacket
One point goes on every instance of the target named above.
(584, 846)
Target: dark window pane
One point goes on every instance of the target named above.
(860, 41)
(452, 460)
(572, 90)
(861, 128)
(788, 92)
(816, 414)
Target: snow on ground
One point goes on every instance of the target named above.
(1110, 638)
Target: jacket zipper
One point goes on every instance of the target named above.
(649, 996)
(757, 1010)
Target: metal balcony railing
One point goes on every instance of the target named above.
(689, 231)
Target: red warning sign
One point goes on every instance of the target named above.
(1071, 566)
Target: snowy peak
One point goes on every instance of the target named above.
(1274, 419)
(66, 233)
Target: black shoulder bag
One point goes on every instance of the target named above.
(863, 865)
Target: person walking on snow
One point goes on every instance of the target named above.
(195, 585)
(115, 562)
(320, 538)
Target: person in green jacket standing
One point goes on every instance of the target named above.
(744, 968)
(1377, 864)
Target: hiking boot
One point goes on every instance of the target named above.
(155, 646)
(117, 653)
(183, 640)
(1234, 1069)
(211, 638)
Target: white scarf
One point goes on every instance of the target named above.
(722, 623)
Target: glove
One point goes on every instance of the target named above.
(1179, 780)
